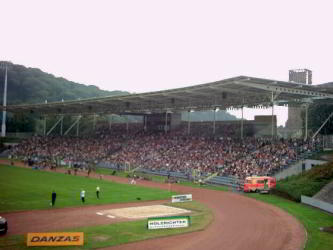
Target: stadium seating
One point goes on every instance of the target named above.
(174, 154)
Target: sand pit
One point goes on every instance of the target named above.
(144, 211)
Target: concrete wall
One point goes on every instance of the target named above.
(317, 203)
(298, 168)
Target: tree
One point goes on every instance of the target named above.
(318, 113)
(31, 85)
(20, 123)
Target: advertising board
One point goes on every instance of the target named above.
(169, 222)
(55, 239)
(181, 198)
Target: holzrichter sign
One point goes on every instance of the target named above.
(55, 239)
(181, 198)
(168, 222)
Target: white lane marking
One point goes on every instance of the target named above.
(110, 216)
(98, 213)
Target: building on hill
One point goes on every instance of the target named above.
(295, 121)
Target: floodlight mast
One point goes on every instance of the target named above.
(4, 113)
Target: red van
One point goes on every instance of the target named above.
(259, 184)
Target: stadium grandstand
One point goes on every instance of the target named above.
(161, 143)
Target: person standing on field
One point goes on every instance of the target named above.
(53, 198)
(83, 193)
(97, 192)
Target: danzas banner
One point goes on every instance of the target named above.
(55, 239)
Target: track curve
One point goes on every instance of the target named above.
(239, 223)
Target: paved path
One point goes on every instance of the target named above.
(326, 193)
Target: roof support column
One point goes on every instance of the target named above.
(61, 124)
(306, 121)
(242, 120)
(188, 122)
(127, 124)
(44, 131)
(74, 123)
(242, 123)
(110, 122)
(94, 122)
(272, 115)
(214, 121)
(145, 123)
(322, 125)
(78, 126)
(215, 110)
(55, 125)
(166, 122)
(4, 112)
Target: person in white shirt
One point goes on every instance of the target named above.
(97, 192)
(83, 193)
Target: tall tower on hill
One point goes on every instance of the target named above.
(294, 123)
(300, 76)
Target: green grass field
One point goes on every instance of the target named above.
(26, 189)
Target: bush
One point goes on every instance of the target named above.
(308, 183)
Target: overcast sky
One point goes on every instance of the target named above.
(149, 45)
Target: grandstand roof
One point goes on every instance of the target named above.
(228, 93)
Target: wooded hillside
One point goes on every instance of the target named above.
(31, 85)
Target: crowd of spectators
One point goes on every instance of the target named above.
(223, 155)
(67, 149)
(173, 151)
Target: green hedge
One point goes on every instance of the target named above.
(308, 183)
